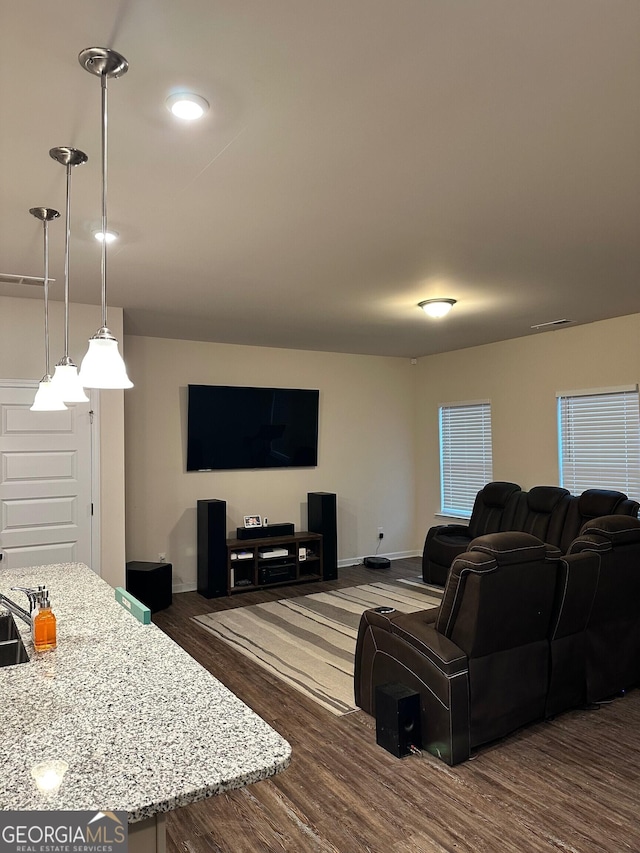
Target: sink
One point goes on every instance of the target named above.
(12, 649)
(8, 628)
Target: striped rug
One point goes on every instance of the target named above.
(309, 641)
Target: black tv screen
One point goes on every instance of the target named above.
(229, 427)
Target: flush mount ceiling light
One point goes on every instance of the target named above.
(47, 399)
(65, 379)
(437, 308)
(111, 236)
(187, 106)
(103, 366)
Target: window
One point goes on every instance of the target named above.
(465, 455)
(599, 440)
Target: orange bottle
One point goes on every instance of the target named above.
(44, 626)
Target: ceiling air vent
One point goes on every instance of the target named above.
(552, 324)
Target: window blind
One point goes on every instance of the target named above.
(465, 455)
(599, 441)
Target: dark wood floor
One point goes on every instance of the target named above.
(570, 785)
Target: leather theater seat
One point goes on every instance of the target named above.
(613, 630)
(493, 510)
(481, 662)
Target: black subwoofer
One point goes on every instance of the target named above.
(397, 719)
(323, 518)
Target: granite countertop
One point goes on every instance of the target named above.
(143, 727)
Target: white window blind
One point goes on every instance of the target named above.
(465, 455)
(599, 441)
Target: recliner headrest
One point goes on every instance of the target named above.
(512, 547)
(618, 529)
(594, 503)
(496, 494)
(544, 498)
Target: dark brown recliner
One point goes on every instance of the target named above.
(493, 510)
(593, 503)
(613, 629)
(542, 512)
(482, 660)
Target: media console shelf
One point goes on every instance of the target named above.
(273, 561)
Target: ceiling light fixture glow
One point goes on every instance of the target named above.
(111, 236)
(187, 106)
(437, 308)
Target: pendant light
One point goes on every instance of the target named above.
(103, 366)
(65, 378)
(46, 399)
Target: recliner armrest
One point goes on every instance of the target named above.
(417, 629)
(422, 635)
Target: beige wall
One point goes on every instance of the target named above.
(366, 448)
(521, 378)
(22, 357)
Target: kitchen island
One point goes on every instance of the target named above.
(142, 726)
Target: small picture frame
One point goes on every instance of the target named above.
(252, 521)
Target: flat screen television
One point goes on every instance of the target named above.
(230, 428)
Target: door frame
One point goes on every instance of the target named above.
(94, 485)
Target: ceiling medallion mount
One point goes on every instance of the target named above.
(44, 214)
(68, 156)
(103, 62)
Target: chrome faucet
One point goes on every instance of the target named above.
(32, 595)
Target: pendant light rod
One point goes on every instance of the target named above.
(45, 215)
(103, 262)
(68, 157)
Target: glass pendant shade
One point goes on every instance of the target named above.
(67, 383)
(103, 366)
(47, 398)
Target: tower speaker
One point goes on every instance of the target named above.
(323, 518)
(212, 548)
(397, 719)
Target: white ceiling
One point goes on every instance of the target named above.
(359, 156)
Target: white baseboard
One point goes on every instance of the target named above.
(394, 555)
(185, 587)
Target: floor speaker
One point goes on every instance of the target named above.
(323, 518)
(212, 548)
(397, 719)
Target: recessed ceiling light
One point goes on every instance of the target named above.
(111, 236)
(437, 307)
(187, 106)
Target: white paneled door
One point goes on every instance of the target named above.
(45, 482)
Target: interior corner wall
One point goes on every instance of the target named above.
(22, 357)
(365, 450)
(521, 378)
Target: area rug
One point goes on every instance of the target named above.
(309, 641)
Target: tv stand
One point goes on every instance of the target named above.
(273, 561)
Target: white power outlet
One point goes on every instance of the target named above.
(380, 533)
(162, 558)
